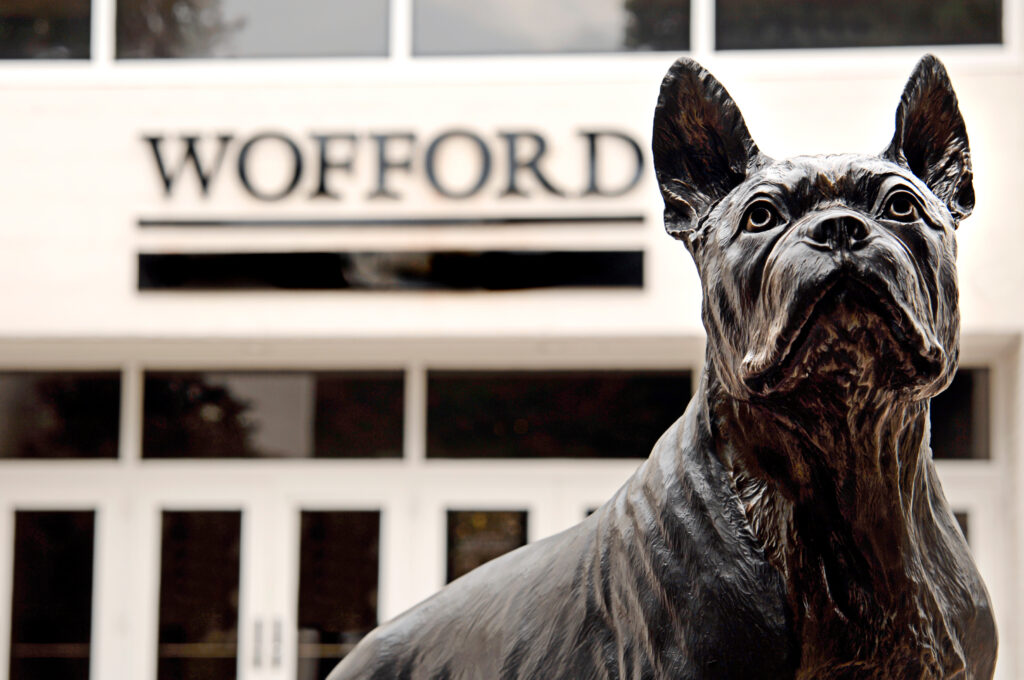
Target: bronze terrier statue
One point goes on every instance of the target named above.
(791, 523)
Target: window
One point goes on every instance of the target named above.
(960, 417)
(229, 414)
(339, 555)
(438, 270)
(51, 611)
(239, 28)
(478, 536)
(199, 579)
(506, 414)
(44, 29)
(784, 24)
(59, 415)
(449, 27)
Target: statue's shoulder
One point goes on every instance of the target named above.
(473, 627)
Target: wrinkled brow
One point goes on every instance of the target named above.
(807, 181)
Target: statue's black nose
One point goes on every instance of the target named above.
(839, 232)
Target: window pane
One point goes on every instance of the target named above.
(506, 414)
(51, 608)
(242, 28)
(59, 415)
(478, 536)
(960, 417)
(541, 26)
(359, 415)
(199, 562)
(769, 24)
(438, 270)
(229, 414)
(338, 569)
(44, 29)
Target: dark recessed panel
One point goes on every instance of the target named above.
(491, 270)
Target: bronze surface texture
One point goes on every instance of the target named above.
(790, 524)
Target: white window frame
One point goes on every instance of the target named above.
(401, 65)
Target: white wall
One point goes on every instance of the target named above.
(75, 177)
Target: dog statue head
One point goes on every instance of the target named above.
(838, 268)
(830, 303)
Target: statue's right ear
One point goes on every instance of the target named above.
(702, 149)
(931, 138)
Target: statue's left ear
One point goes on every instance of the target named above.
(931, 139)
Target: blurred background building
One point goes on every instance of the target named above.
(308, 308)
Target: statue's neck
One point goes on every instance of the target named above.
(838, 491)
(827, 480)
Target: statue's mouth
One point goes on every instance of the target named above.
(851, 323)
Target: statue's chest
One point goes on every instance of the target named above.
(918, 640)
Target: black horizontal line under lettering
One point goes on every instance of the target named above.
(455, 221)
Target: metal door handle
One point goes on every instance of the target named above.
(275, 644)
(257, 643)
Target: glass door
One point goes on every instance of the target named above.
(244, 581)
(338, 584)
(198, 606)
(52, 593)
(252, 584)
(343, 561)
(60, 532)
(204, 589)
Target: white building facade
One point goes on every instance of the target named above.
(286, 322)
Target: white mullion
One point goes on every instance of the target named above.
(415, 416)
(1012, 27)
(255, 586)
(103, 32)
(143, 586)
(6, 582)
(111, 572)
(397, 572)
(287, 513)
(400, 30)
(702, 28)
(401, 518)
(130, 431)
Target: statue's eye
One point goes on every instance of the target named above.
(761, 216)
(902, 207)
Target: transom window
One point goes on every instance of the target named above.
(269, 414)
(359, 486)
(229, 29)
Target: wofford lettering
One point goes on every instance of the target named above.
(346, 163)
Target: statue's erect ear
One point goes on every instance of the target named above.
(702, 149)
(931, 139)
